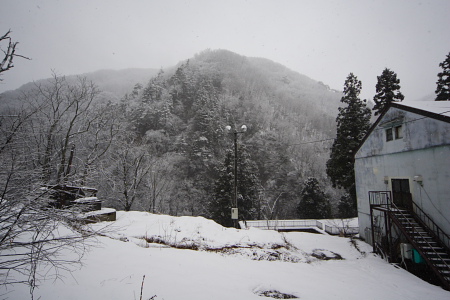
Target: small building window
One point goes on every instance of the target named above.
(394, 133)
(389, 135)
(398, 132)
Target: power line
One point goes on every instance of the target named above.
(379, 128)
(310, 142)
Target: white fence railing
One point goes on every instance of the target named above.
(329, 226)
(341, 230)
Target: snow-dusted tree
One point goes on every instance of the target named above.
(387, 90)
(62, 116)
(221, 203)
(34, 236)
(160, 180)
(91, 147)
(443, 83)
(126, 171)
(33, 233)
(353, 122)
(314, 203)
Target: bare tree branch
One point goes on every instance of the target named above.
(7, 62)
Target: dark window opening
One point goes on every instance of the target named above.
(394, 133)
(398, 132)
(389, 136)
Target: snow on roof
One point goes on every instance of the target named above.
(86, 200)
(436, 107)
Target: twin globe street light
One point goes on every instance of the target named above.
(234, 205)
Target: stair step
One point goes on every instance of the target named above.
(443, 255)
(435, 253)
(440, 258)
(412, 226)
(421, 233)
(418, 236)
(433, 248)
(446, 267)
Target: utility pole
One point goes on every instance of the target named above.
(234, 204)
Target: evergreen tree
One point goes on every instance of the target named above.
(353, 122)
(155, 88)
(314, 203)
(221, 204)
(443, 83)
(346, 207)
(387, 90)
(247, 190)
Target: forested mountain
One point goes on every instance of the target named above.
(163, 146)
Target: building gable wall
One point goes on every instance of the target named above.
(418, 132)
(424, 150)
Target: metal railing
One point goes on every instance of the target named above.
(426, 247)
(281, 224)
(341, 230)
(301, 224)
(380, 198)
(383, 199)
(435, 229)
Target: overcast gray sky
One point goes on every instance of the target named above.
(325, 40)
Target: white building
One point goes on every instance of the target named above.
(407, 150)
(404, 162)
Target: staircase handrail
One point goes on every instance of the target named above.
(380, 198)
(383, 199)
(417, 246)
(434, 228)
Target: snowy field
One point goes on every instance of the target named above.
(225, 264)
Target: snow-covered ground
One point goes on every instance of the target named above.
(227, 264)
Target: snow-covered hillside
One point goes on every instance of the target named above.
(226, 264)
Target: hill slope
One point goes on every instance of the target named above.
(290, 120)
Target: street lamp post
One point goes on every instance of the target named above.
(234, 209)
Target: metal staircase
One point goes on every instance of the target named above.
(418, 229)
(432, 250)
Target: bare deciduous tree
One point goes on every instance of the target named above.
(9, 53)
(35, 140)
(160, 180)
(126, 171)
(31, 236)
(62, 115)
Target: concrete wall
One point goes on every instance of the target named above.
(424, 150)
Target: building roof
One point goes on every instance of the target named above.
(433, 109)
(439, 110)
